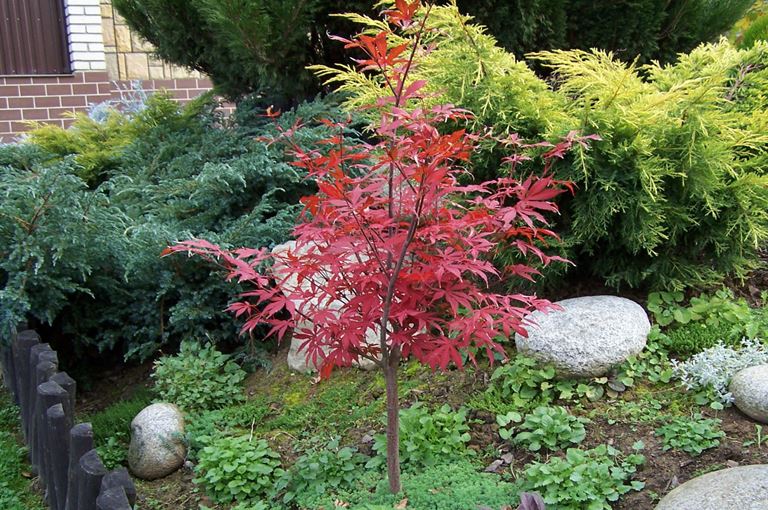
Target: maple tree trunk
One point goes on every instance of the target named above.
(393, 424)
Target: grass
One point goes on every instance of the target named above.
(16, 492)
(646, 403)
(112, 427)
(336, 406)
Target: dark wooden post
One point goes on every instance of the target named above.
(80, 442)
(37, 354)
(92, 470)
(36, 414)
(8, 372)
(49, 394)
(20, 349)
(9, 369)
(70, 386)
(113, 499)
(57, 455)
(43, 372)
(120, 478)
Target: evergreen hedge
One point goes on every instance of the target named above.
(87, 260)
(648, 29)
(246, 46)
(676, 193)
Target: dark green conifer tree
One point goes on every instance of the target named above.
(246, 46)
(648, 29)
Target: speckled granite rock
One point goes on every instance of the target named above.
(588, 336)
(157, 441)
(739, 488)
(750, 392)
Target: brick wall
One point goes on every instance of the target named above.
(51, 99)
(105, 56)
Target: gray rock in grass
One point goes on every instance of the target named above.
(588, 337)
(749, 388)
(157, 442)
(739, 488)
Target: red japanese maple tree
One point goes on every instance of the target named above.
(394, 243)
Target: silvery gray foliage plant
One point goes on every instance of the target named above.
(132, 100)
(716, 366)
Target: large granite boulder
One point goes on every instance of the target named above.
(297, 357)
(157, 441)
(749, 388)
(588, 337)
(739, 488)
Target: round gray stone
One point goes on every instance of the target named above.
(157, 441)
(750, 392)
(739, 488)
(588, 337)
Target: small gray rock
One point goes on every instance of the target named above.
(749, 388)
(494, 466)
(739, 488)
(588, 337)
(157, 441)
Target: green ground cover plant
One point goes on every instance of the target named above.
(649, 403)
(706, 321)
(333, 408)
(198, 378)
(692, 434)
(521, 384)
(322, 470)
(720, 309)
(548, 428)
(427, 437)
(202, 427)
(689, 339)
(583, 479)
(241, 468)
(112, 427)
(454, 486)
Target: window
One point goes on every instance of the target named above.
(33, 38)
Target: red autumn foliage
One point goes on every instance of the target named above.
(420, 253)
(393, 242)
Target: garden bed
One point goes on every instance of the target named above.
(351, 404)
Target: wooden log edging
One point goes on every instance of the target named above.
(61, 453)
